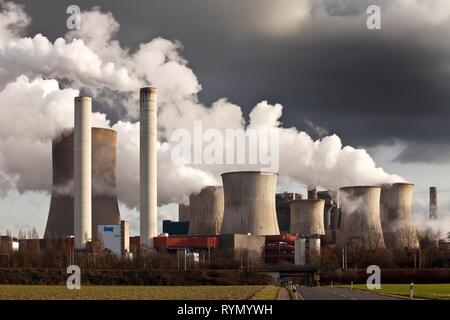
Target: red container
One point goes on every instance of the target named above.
(198, 242)
(286, 237)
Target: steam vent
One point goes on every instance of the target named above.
(250, 203)
(105, 208)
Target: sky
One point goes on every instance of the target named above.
(384, 90)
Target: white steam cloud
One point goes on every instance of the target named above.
(35, 107)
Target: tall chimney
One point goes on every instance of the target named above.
(82, 172)
(433, 204)
(148, 168)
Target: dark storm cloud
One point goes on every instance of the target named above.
(420, 152)
(370, 87)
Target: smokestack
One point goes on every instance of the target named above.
(82, 172)
(433, 204)
(312, 193)
(148, 173)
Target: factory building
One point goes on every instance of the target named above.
(175, 228)
(115, 237)
(330, 214)
(249, 203)
(280, 248)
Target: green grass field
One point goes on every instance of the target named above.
(425, 291)
(42, 292)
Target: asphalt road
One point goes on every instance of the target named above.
(327, 293)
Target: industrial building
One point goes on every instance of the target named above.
(175, 228)
(115, 237)
(242, 220)
(283, 208)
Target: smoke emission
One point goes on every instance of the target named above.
(39, 79)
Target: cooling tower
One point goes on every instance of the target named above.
(250, 203)
(183, 212)
(307, 218)
(148, 165)
(105, 209)
(360, 216)
(433, 215)
(206, 211)
(398, 226)
(82, 172)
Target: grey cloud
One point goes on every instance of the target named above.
(370, 87)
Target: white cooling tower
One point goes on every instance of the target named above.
(307, 218)
(360, 216)
(250, 203)
(398, 226)
(206, 211)
(82, 172)
(148, 165)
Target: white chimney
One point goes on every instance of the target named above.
(82, 172)
(148, 165)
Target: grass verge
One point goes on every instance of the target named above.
(267, 293)
(424, 291)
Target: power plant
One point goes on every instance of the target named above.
(249, 203)
(244, 215)
(206, 211)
